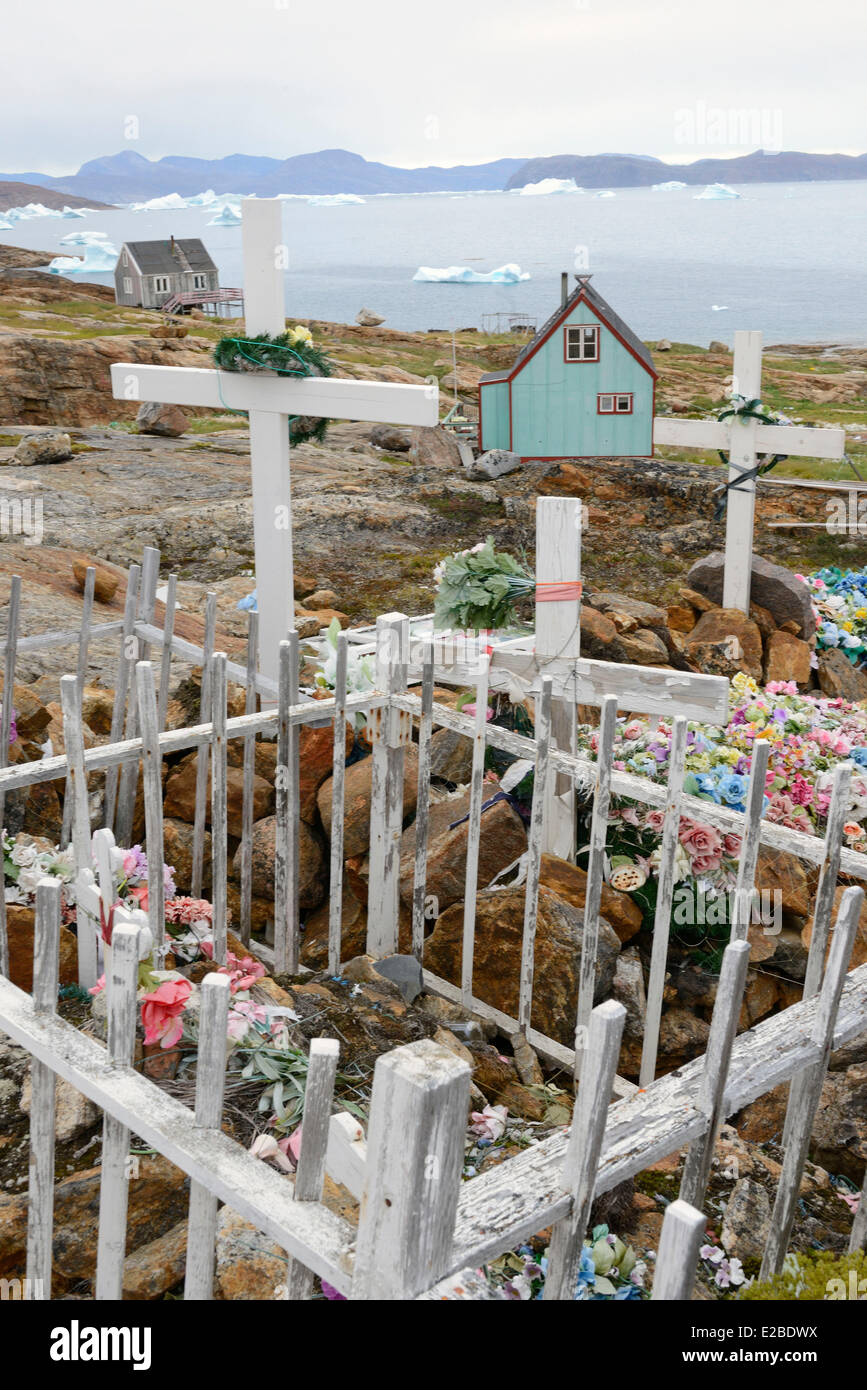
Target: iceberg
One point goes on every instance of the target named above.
(545, 186)
(169, 202)
(606, 193)
(668, 187)
(718, 190)
(5, 225)
(202, 200)
(73, 212)
(228, 216)
(462, 275)
(333, 200)
(83, 238)
(98, 256)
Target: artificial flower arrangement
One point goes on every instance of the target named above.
(360, 672)
(292, 353)
(479, 589)
(609, 1272)
(840, 606)
(24, 865)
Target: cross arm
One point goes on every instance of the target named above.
(798, 440)
(386, 402)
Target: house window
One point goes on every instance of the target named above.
(614, 403)
(127, 284)
(125, 258)
(162, 284)
(200, 282)
(582, 344)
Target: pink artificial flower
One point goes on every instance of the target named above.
(140, 893)
(702, 842)
(161, 1012)
(266, 1146)
(187, 910)
(98, 987)
(732, 845)
(242, 973)
(489, 1123)
(654, 820)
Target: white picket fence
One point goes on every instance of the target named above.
(419, 1105)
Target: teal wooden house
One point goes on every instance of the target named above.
(583, 388)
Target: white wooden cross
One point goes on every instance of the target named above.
(744, 440)
(270, 401)
(95, 894)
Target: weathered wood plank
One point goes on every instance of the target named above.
(386, 791)
(152, 782)
(6, 704)
(219, 809)
(203, 759)
(595, 874)
(665, 893)
(128, 651)
(534, 854)
(249, 773)
(40, 1191)
(677, 1257)
(585, 1142)
(474, 831)
(415, 1145)
(286, 921)
(310, 1175)
(422, 814)
(73, 737)
(210, 1086)
(114, 1180)
(338, 787)
(742, 910)
(558, 638)
(166, 658)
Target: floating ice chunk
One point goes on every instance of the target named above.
(668, 187)
(98, 256)
(168, 202)
(718, 190)
(202, 200)
(606, 193)
(333, 200)
(73, 212)
(462, 275)
(545, 186)
(719, 308)
(83, 238)
(5, 225)
(228, 216)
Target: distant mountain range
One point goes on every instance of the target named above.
(129, 177)
(18, 195)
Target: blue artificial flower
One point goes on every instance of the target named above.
(249, 604)
(859, 756)
(586, 1273)
(733, 788)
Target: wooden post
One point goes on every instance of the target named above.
(724, 1025)
(114, 1182)
(210, 1085)
(585, 1146)
(665, 893)
(150, 574)
(807, 1098)
(80, 674)
(422, 813)
(166, 659)
(677, 1257)
(310, 1176)
(152, 780)
(558, 635)
(474, 832)
(73, 738)
(40, 1192)
(389, 734)
(265, 312)
(858, 1238)
(741, 508)
(249, 773)
(286, 924)
(415, 1149)
(219, 807)
(338, 783)
(595, 867)
(12, 620)
(128, 645)
(750, 842)
(534, 852)
(204, 752)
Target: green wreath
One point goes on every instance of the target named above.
(288, 354)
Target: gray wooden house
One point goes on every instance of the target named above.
(150, 273)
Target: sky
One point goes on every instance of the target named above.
(462, 81)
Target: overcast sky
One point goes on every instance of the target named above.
(461, 81)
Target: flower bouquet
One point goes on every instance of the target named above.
(840, 606)
(292, 353)
(479, 589)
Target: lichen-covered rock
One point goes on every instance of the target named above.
(311, 862)
(839, 679)
(155, 417)
(249, 1264)
(356, 823)
(733, 635)
(774, 587)
(49, 446)
(497, 956)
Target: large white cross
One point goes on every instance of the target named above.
(745, 439)
(270, 401)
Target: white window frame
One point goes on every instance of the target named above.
(162, 284)
(127, 284)
(587, 332)
(200, 282)
(615, 403)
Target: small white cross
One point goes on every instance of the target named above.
(744, 439)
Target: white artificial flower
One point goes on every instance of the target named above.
(25, 856)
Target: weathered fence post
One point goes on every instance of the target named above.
(114, 1183)
(219, 807)
(474, 831)
(338, 785)
(807, 1097)
(665, 893)
(558, 634)
(415, 1149)
(12, 619)
(210, 1085)
(203, 754)
(743, 903)
(150, 574)
(724, 1024)
(73, 737)
(249, 773)
(40, 1215)
(422, 810)
(536, 841)
(128, 645)
(286, 924)
(595, 871)
(310, 1176)
(386, 789)
(585, 1145)
(677, 1256)
(152, 782)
